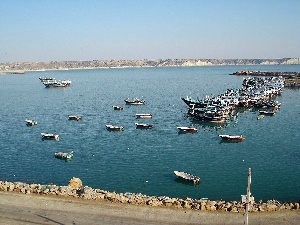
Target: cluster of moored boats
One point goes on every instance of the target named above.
(256, 92)
(52, 82)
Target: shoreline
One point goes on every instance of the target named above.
(10, 67)
(76, 190)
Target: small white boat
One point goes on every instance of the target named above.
(135, 101)
(143, 116)
(116, 107)
(54, 83)
(233, 138)
(187, 129)
(187, 176)
(63, 155)
(114, 128)
(75, 117)
(30, 122)
(143, 126)
(46, 136)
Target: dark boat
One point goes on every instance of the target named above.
(116, 107)
(267, 113)
(114, 128)
(46, 136)
(143, 126)
(75, 117)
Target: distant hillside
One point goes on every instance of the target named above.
(95, 64)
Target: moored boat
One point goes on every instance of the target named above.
(30, 122)
(233, 138)
(116, 107)
(143, 116)
(187, 176)
(114, 128)
(135, 101)
(54, 83)
(46, 136)
(187, 129)
(267, 113)
(63, 155)
(46, 79)
(143, 126)
(74, 117)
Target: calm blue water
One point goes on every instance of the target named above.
(143, 161)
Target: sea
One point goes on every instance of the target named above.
(144, 161)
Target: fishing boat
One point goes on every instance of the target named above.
(143, 126)
(63, 155)
(187, 129)
(114, 128)
(75, 117)
(135, 101)
(143, 116)
(54, 83)
(30, 122)
(116, 107)
(46, 136)
(187, 176)
(267, 113)
(233, 138)
(46, 79)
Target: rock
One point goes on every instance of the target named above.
(75, 183)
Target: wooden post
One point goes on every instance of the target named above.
(248, 196)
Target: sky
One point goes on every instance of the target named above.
(67, 30)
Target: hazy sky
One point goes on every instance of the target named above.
(57, 30)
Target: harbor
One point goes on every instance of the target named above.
(143, 160)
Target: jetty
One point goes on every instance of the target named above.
(266, 73)
(291, 79)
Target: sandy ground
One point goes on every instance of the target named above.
(35, 209)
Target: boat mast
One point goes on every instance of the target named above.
(248, 196)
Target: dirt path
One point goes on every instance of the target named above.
(34, 209)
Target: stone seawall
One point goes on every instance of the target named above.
(77, 190)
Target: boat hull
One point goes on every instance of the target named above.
(187, 176)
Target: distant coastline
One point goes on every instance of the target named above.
(22, 67)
